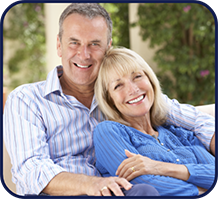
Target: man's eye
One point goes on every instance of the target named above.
(95, 44)
(74, 42)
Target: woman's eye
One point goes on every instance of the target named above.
(138, 76)
(117, 86)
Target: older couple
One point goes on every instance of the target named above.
(48, 125)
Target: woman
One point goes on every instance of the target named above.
(136, 144)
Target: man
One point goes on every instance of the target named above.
(48, 125)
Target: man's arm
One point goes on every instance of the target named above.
(33, 169)
(212, 145)
(190, 118)
(25, 140)
(209, 109)
(69, 184)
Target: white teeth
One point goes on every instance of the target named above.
(82, 66)
(136, 100)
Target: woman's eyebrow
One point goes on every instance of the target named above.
(117, 80)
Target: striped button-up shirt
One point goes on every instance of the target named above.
(47, 132)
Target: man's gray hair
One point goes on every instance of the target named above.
(89, 10)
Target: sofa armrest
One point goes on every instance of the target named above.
(209, 109)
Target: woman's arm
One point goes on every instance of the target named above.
(146, 166)
(201, 175)
(110, 143)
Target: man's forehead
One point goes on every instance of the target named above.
(76, 18)
(78, 24)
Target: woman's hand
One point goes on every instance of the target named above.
(136, 165)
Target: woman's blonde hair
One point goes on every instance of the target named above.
(123, 61)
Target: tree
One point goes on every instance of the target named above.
(119, 13)
(186, 36)
(26, 31)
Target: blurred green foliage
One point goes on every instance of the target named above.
(119, 13)
(26, 32)
(185, 34)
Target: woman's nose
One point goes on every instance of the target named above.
(133, 88)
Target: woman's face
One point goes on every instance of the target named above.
(133, 94)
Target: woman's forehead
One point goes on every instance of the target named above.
(116, 76)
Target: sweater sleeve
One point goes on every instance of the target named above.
(110, 141)
(202, 172)
(201, 175)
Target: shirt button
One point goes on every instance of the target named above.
(168, 150)
(162, 144)
(177, 160)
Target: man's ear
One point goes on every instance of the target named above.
(59, 51)
(110, 44)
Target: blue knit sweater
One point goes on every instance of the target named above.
(176, 145)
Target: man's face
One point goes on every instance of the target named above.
(82, 48)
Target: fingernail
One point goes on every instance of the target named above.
(130, 186)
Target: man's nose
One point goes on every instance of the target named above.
(83, 52)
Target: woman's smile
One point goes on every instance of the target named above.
(136, 100)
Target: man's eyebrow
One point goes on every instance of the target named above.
(73, 39)
(93, 41)
(96, 41)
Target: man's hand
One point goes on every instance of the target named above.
(99, 186)
(70, 184)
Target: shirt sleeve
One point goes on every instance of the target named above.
(25, 140)
(190, 118)
(110, 142)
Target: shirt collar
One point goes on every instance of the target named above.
(53, 82)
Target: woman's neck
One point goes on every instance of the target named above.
(143, 124)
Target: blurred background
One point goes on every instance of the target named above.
(176, 39)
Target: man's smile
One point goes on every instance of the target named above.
(80, 66)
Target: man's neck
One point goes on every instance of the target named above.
(83, 94)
